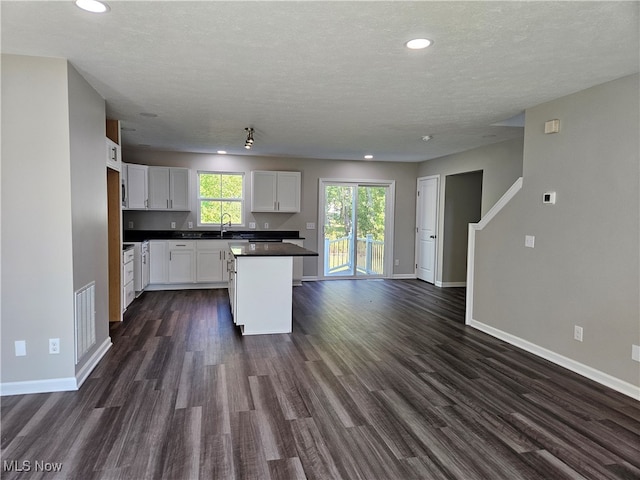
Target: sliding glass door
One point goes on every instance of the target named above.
(355, 225)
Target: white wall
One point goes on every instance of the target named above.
(584, 269)
(37, 275)
(312, 170)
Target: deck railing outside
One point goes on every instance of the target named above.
(340, 256)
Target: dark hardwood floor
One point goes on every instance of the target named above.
(380, 380)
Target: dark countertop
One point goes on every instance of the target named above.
(269, 249)
(274, 235)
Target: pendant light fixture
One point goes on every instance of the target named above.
(249, 142)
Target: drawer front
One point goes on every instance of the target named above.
(184, 245)
(127, 255)
(127, 273)
(129, 293)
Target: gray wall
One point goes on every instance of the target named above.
(312, 170)
(584, 267)
(462, 206)
(37, 274)
(52, 122)
(501, 166)
(89, 198)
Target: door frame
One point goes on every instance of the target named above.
(436, 264)
(389, 224)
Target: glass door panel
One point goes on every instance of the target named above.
(354, 229)
(370, 221)
(338, 230)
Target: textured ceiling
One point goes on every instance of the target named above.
(329, 80)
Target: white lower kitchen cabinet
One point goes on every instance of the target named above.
(182, 262)
(188, 264)
(260, 294)
(158, 262)
(211, 261)
(128, 288)
(297, 262)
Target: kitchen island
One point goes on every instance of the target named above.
(260, 285)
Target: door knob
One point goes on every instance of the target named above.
(432, 236)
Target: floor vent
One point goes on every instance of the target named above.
(85, 316)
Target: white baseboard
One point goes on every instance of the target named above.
(50, 385)
(451, 284)
(404, 276)
(602, 378)
(38, 386)
(88, 367)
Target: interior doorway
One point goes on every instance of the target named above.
(356, 228)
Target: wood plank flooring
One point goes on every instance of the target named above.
(379, 380)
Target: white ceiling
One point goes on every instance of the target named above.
(329, 80)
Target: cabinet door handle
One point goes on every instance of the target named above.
(167, 203)
(169, 256)
(171, 203)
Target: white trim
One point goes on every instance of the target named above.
(450, 284)
(38, 386)
(602, 378)
(471, 247)
(88, 367)
(310, 278)
(404, 276)
(50, 385)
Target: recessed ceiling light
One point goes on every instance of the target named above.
(127, 129)
(418, 43)
(426, 138)
(149, 115)
(222, 152)
(368, 157)
(93, 6)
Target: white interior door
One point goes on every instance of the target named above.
(427, 227)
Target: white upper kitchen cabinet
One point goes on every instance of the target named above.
(136, 195)
(275, 191)
(114, 155)
(168, 188)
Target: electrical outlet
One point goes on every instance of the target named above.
(577, 333)
(252, 224)
(266, 225)
(21, 348)
(396, 262)
(635, 353)
(529, 241)
(173, 224)
(190, 224)
(130, 224)
(54, 346)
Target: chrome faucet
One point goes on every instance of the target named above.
(222, 223)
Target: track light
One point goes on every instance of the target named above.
(249, 142)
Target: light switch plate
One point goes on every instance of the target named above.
(311, 226)
(21, 348)
(252, 224)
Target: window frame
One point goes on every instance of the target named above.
(200, 199)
